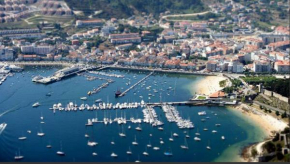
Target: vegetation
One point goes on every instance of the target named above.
(223, 83)
(126, 8)
(196, 18)
(201, 97)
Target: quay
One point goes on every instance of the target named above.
(61, 74)
(140, 81)
(39, 63)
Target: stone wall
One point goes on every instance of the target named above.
(274, 94)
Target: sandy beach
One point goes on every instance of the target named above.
(209, 85)
(268, 124)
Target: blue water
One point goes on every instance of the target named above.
(18, 93)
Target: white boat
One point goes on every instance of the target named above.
(208, 147)
(29, 131)
(87, 136)
(145, 153)
(175, 134)
(114, 155)
(156, 148)
(83, 98)
(187, 136)
(129, 127)
(160, 128)
(60, 153)
(2, 127)
(185, 146)
(94, 154)
(203, 113)
(197, 139)
(217, 125)
(40, 134)
(129, 152)
(92, 143)
(161, 142)
(138, 128)
(214, 131)
(22, 138)
(98, 101)
(18, 156)
(223, 138)
(49, 146)
(149, 145)
(135, 142)
(36, 104)
(171, 138)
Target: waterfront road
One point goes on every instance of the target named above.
(270, 107)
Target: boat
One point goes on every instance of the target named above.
(156, 148)
(138, 128)
(90, 123)
(49, 146)
(161, 142)
(83, 98)
(29, 131)
(208, 147)
(203, 113)
(48, 94)
(197, 139)
(18, 156)
(60, 153)
(129, 152)
(205, 129)
(112, 142)
(22, 138)
(114, 155)
(171, 138)
(92, 143)
(2, 127)
(122, 134)
(223, 138)
(36, 104)
(98, 100)
(217, 125)
(129, 127)
(145, 152)
(40, 134)
(118, 93)
(187, 136)
(94, 154)
(175, 134)
(185, 146)
(160, 128)
(168, 153)
(135, 142)
(214, 131)
(149, 145)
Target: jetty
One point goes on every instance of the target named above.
(140, 81)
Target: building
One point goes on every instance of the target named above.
(282, 66)
(6, 53)
(261, 66)
(211, 66)
(38, 50)
(86, 23)
(125, 38)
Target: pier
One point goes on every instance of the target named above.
(40, 63)
(140, 81)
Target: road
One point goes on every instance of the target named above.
(271, 108)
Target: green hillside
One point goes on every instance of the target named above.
(126, 8)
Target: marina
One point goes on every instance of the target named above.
(137, 125)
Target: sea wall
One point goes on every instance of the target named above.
(274, 94)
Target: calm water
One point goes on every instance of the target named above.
(18, 93)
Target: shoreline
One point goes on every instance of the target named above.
(267, 123)
(209, 85)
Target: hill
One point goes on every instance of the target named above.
(126, 8)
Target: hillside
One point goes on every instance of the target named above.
(126, 8)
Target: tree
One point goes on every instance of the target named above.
(277, 113)
(254, 152)
(269, 147)
(243, 99)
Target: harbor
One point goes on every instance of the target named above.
(66, 118)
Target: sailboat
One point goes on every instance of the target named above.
(139, 128)
(208, 147)
(112, 142)
(129, 152)
(145, 152)
(41, 116)
(122, 134)
(22, 138)
(137, 161)
(197, 133)
(185, 146)
(94, 154)
(114, 155)
(149, 145)
(168, 153)
(18, 156)
(171, 138)
(135, 142)
(60, 153)
(40, 134)
(49, 146)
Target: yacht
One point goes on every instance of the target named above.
(18, 156)
(98, 101)
(185, 146)
(114, 155)
(129, 152)
(149, 145)
(135, 142)
(83, 98)
(175, 134)
(156, 148)
(145, 152)
(197, 139)
(49, 146)
(60, 153)
(171, 138)
(22, 138)
(214, 131)
(36, 104)
(203, 113)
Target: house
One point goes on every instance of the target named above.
(261, 66)
(218, 94)
(282, 66)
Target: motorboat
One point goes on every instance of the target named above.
(83, 98)
(203, 113)
(197, 139)
(36, 104)
(114, 155)
(22, 138)
(223, 138)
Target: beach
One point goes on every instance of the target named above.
(209, 85)
(268, 124)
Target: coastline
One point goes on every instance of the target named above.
(209, 85)
(267, 123)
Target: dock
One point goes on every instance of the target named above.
(140, 81)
